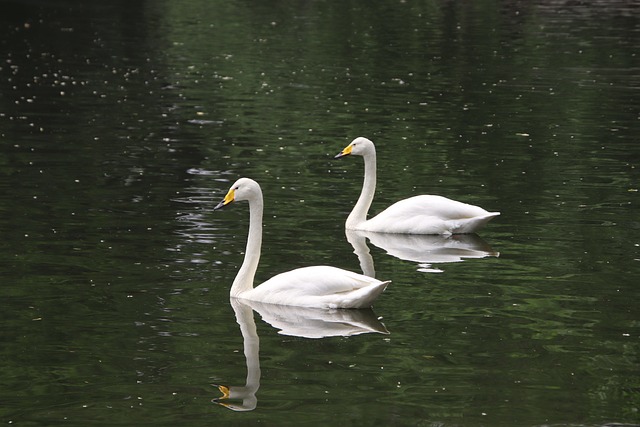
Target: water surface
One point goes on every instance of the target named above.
(122, 125)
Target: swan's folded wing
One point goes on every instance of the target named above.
(317, 280)
(437, 206)
(428, 214)
(319, 286)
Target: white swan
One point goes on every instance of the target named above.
(317, 286)
(425, 214)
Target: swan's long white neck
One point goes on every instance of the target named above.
(359, 213)
(244, 279)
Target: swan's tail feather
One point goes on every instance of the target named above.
(472, 225)
(364, 297)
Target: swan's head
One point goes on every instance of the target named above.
(242, 189)
(358, 147)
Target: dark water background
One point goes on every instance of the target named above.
(123, 123)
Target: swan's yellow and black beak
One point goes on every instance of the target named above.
(345, 152)
(230, 197)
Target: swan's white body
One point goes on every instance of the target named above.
(425, 214)
(317, 286)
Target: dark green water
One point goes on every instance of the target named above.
(122, 124)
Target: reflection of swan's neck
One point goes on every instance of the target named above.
(359, 213)
(244, 317)
(244, 279)
(360, 248)
(246, 393)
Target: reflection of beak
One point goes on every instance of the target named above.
(227, 199)
(344, 152)
(224, 390)
(248, 402)
(226, 393)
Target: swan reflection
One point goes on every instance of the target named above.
(293, 321)
(244, 396)
(422, 249)
(318, 323)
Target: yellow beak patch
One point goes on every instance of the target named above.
(225, 392)
(230, 197)
(345, 152)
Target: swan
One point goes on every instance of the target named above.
(317, 287)
(425, 214)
